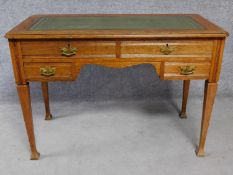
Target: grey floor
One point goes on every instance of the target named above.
(117, 138)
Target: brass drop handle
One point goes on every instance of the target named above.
(47, 71)
(166, 50)
(68, 51)
(187, 70)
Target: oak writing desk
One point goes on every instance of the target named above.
(48, 48)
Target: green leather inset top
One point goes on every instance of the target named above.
(115, 23)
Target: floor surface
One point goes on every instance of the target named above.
(117, 138)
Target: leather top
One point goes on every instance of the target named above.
(115, 23)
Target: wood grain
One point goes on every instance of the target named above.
(85, 49)
(63, 71)
(33, 50)
(186, 84)
(180, 47)
(45, 93)
(210, 93)
(24, 97)
(172, 71)
(15, 61)
(21, 31)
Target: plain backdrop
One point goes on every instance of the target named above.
(100, 83)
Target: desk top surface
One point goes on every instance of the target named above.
(97, 26)
(115, 22)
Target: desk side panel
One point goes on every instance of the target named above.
(217, 57)
(17, 63)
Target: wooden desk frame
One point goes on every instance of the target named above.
(122, 43)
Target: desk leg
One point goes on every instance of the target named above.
(24, 97)
(45, 92)
(186, 84)
(210, 93)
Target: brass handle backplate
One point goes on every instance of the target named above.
(68, 51)
(166, 50)
(187, 70)
(47, 71)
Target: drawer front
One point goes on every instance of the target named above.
(140, 49)
(78, 49)
(49, 71)
(185, 71)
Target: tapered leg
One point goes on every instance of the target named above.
(186, 84)
(210, 93)
(45, 92)
(24, 97)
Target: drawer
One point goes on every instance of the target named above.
(49, 71)
(185, 71)
(140, 49)
(79, 49)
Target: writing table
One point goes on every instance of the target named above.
(49, 48)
